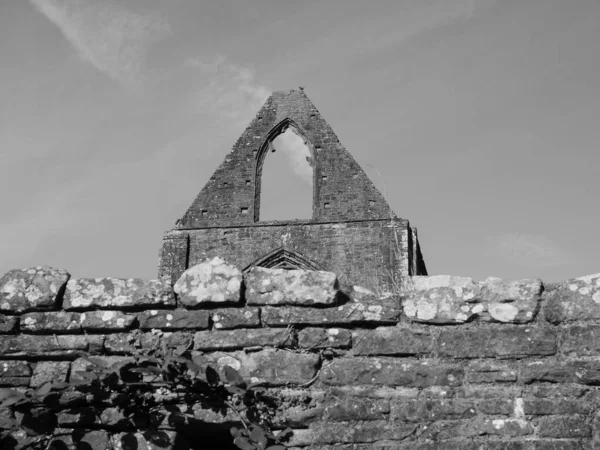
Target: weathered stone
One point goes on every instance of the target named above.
(564, 427)
(51, 322)
(468, 428)
(581, 372)
(228, 318)
(580, 340)
(94, 440)
(539, 444)
(116, 293)
(430, 410)
(66, 346)
(505, 342)
(8, 324)
(575, 299)
(178, 319)
(320, 338)
(49, 371)
(391, 341)
(511, 301)
(270, 366)
(346, 408)
(129, 343)
(385, 311)
(30, 289)
(212, 281)
(547, 406)
(352, 432)
(390, 372)
(290, 287)
(238, 339)
(488, 372)
(106, 321)
(444, 299)
(15, 373)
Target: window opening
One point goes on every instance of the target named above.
(287, 179)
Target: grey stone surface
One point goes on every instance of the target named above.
(31, 289)
(212, 281)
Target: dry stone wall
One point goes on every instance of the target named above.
(444, 363)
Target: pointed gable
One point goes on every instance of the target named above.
(341, 189)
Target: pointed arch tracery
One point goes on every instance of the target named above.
(264, 148)
(283, 258)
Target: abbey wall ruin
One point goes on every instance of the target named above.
(333, 318)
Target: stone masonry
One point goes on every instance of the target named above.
(444, 363)
(353, 231)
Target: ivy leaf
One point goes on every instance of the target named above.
(7, 392)
(88, 376)
(12, 401)
(258, 436)
(276, 447)
(232, 376)
(44, 389)
(212, 376)
(97, 362)
(235, 390)
(181, 349)
(243, 443)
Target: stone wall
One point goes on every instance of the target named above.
(445, 363)
(372, 253)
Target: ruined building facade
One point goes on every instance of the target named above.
(353, 231)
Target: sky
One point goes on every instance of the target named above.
(477, 119)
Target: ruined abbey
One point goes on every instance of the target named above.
(334, 318)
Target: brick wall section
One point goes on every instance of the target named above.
(366, 253)
(448, 364)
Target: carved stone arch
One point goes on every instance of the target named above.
(264, 148)
(283, 258)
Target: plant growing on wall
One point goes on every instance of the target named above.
(141, 387)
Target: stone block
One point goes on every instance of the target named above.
(383, 312)
(51, 322)
(555, 406)
(63, 346)
(321, 338)
(433, 410)
(177, 319)
(228, 318)
(581, 372)
(539, 444)
(107, 321)
(351, 432)
(212, 281)
(505, 342)
(129, 343)
(117, 293)
(564, 427)
(390, 372)
(31, 289)
(269, 366)
(444, 299)
(473, 427)
(45, 371)
(400, 341)
(489, 372)
(238, 339)
(575, 299)
(8, 324)
(290, 287)
(15, 373)
(580, 340)
(347, 408)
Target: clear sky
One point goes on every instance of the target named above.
(481, 118)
